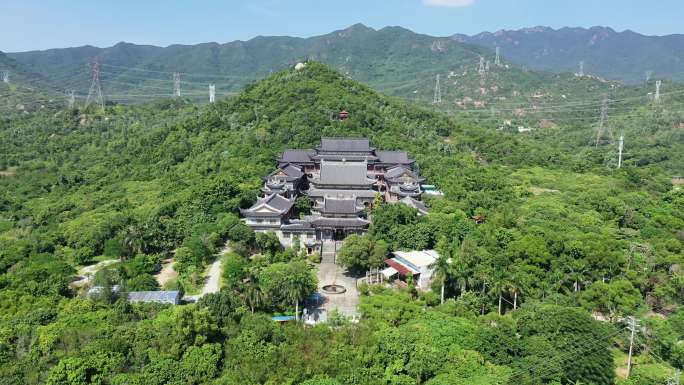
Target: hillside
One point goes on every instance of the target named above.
(26, 90)
(564, 236)
(624, 56)
(394, 60)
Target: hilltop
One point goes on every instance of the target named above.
(625, 56)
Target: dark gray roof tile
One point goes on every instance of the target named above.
(345, 145)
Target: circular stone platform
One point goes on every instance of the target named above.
(334, 289)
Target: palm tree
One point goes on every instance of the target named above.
(254, 295)
(133, 240)
(300, 283)
(442, 265)
(443, 271)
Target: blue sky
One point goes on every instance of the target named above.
(41, 24)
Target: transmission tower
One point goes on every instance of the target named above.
(438, 92)
(581, 68)
(481, 67)
(95, 91)
(657, 94)
(497, 60)
(482, 70)
(621, 144)
(177, 84)
(603, 123)
(487, 66)
(632, 328)
(648, 74)
(212, 93)
(71, 99)
(5, 76)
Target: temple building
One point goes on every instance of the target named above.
(343, 177)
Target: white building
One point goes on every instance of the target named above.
(417, 263)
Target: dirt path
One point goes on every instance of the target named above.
(87, 273)
(167, 273)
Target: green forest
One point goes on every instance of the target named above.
(539, 290)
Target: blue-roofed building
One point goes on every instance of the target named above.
(168, 297)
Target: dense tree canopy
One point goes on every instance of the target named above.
(540, 231)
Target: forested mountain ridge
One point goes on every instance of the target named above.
(393, 59)
(563, 236)
(624, 56)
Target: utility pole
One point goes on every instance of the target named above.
(657, 94)
(5, 76)
(176, 84)
(497, 60)
(603, 122)
(632, 326)
(95, 91)
(212, 93)
(438, 92)
(620, 148)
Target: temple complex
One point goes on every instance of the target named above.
(343, 177)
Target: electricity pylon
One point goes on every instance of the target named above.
(95, 91)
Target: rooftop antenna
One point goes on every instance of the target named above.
(657, 94)
(176, 84)
(581, 68)
(438, 92)
(603, 126)
(497, 60)
(95, 91)
(212, 93)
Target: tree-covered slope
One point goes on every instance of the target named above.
(563, 236)
(625, 56)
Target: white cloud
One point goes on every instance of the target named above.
(448, 3)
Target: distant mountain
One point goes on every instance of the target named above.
(26, 90)
(625, 56)
(393, 59)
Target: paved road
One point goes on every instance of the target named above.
(330, 273)
(213, 283)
